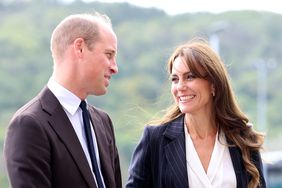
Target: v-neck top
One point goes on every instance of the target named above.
(220, 172)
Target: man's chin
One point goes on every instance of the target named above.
(101, 92)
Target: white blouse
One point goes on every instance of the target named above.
(220, 172)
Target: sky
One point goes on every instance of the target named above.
(174, 7)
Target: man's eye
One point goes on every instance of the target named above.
(109, 55)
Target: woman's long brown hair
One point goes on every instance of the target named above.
(200, 57)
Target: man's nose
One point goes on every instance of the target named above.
(114, 67)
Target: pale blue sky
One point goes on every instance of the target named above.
(214, 6)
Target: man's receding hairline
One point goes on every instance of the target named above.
(91, 17)
(101, 21)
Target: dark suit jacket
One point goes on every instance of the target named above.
(159, 160)
(42, 149)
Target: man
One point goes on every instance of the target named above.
(46, 144)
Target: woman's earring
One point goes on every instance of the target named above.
(212, 90)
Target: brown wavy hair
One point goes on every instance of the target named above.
(200, 57)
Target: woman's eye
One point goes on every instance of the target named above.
(191, 76)
(173, 79)
(188, 77)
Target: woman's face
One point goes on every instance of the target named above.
(193, 95)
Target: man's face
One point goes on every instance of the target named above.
(100, 63)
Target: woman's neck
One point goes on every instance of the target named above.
(200, 127)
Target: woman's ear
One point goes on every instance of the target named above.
(212, 90)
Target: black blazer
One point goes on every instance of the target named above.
(42, 150)
(159, 160)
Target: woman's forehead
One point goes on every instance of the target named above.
(180, 66)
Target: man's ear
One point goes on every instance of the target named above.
(78, 46)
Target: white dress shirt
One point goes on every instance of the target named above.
(70, 104)
(220, 172)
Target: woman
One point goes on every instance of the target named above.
(204, 140)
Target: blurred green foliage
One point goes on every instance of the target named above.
(146, 37)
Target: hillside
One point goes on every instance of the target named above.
(250, 43)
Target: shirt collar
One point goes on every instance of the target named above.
(67, 99)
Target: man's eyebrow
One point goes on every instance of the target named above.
(111, 51)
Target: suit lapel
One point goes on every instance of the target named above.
(241, 175)
(62, 126)
(175, 152)
(103, 145)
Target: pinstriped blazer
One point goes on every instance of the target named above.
(159, 160)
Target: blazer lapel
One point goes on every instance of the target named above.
(241, 175)
(103, 146)
(175, 152)
(62, 126)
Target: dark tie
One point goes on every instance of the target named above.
(90, 145)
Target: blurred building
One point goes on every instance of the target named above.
(273, 168)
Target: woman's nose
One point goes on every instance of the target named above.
(181, 85)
